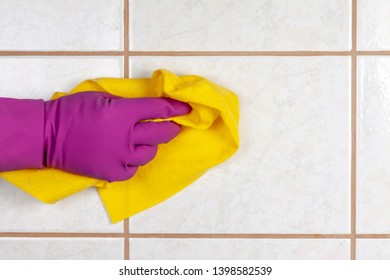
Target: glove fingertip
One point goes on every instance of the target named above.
(179, 108)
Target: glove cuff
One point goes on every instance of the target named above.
(21, 134)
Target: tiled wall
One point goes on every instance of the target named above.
(312, 177)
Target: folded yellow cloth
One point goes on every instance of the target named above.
(209, 137)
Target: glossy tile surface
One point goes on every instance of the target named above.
(83, 212)
(61, 249)
(61, 25)
(228, 249)
(200, 25)
(373, 179)
(373, 25)
(373, 249)
(42, 76)
(291, 173)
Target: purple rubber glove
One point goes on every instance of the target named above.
(89, 133)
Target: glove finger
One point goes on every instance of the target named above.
(152, 108)
(154, 133)
(131, 170)
(142, 154)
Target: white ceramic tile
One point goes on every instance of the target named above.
(61, 25)
(61, 249)
(40, 77)
(373, 145)
(291, 173)
(225, 249)
(200, 25)
(373, 25)
(373, 249)
(83, 212)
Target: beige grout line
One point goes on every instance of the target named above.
(240, 53)
(260, 53)
(61, 234)
(127, 52)
(126, 234)
(126, 70)
(126, 37)
(353, 129)
(126, 239)
(353, 157)
(61, 53)
(126, 25)
(126, 66)
(372, 53)
(240, 236)
(373, 236)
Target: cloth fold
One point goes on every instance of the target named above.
(209, 136)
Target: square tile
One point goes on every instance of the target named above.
(82, 212)
(291, 173)
(373, 249)
(373, 145)
(61, 249)
(61, 25)
(373, 25)
(229, 249)
(40, 77)
(202, 25)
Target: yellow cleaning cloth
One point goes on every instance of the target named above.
(209, 136)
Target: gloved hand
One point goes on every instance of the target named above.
(89, 133)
